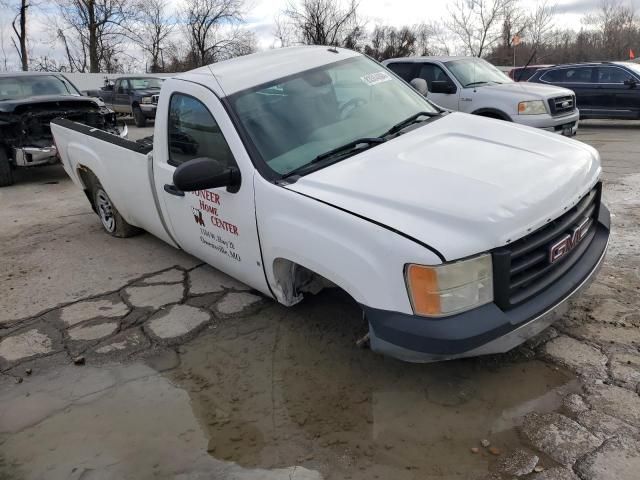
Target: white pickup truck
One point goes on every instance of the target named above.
(458, 235)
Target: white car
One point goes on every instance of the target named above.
(293, 168)
(473, 85)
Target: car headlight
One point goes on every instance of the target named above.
(146, 99)
(531, 107)
(450, 288)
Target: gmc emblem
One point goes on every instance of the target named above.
(568, 242)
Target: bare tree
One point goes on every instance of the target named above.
(153, 30)
(93, 30)
(4, 61)
(389, 42)
(19, 25)
(476, 23)
(541, 22)
(617, 27)
(213, 30)
(325, 22)
(283, 32)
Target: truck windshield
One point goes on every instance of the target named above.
(472, 72)
(145, 83)
(294, 120)
(15, 88)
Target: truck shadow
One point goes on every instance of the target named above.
(38, 175)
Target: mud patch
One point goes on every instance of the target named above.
(316, 400)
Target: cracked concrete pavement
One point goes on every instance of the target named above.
(186, 373)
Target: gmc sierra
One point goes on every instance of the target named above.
(458, 235)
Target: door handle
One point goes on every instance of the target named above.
(173, 190)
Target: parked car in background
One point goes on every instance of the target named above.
(522, 74)
(28, 102)
(136, 96)
(603, 89)
(306, 167)
(473, 85)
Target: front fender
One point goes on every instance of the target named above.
(364, 259)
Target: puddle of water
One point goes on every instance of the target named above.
(295, 391)
(281, 395)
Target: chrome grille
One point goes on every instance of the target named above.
(154, 98)
(562, 105)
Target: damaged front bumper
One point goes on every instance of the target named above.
(488, 329)
(34, 156)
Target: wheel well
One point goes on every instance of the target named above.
(294, 280)
(89, 180)
(492, 113)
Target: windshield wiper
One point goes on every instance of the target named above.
(482, 82)
(408, 121)
(340, 153)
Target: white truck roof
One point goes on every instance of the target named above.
(248, 71)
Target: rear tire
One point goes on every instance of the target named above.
(6, 175)
(111, 220)
(138, 116)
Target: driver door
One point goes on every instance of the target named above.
(121, 96)
(431, 72)
(217, 225)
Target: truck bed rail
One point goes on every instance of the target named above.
(143, 148)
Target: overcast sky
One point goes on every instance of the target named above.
(261, 15)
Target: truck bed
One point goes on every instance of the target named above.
(123, 167)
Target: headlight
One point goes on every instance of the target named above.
(438, 291)
(532, 107)
(146, 99)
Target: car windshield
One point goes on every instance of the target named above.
(476, 72)
(15, 88)
(293, 120)
(145, 83)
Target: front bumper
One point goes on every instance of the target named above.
(34, 156)
(564, 124)
(149, 109)
(487, 329)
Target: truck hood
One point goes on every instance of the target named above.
(527, 90)
(10, 106)
(462, 184)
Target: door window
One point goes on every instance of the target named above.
(612, 75)
(403, 70)
(431, 73)
(194, 133)
(569, 75)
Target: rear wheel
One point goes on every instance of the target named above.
(110, 218)
(141, 120)
(6, 175)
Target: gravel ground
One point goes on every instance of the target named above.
(129, 359)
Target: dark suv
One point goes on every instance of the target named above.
(603, 89)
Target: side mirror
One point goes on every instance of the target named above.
(631, 82)
(420, 84)
(442, 86)
(203, 173)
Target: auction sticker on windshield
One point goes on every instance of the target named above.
(376, 78)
